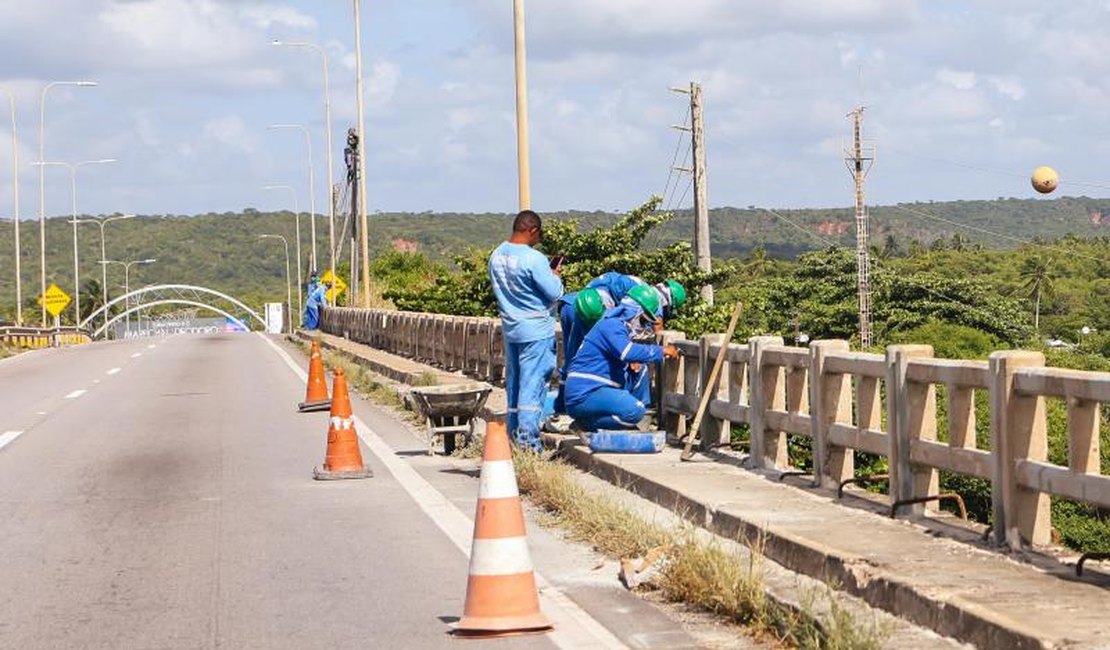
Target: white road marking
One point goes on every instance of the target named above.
(113, 371)
(7, 437)
(96, 381)
(75, 394)
(136, 355)
(40, 413)
(150, 347)
(575, 628)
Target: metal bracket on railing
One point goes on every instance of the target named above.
(1098, 557)
(858, 480)
(949, 496)
(786, 475)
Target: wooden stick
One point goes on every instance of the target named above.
(710, 387)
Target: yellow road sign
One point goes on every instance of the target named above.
(338, 286)
(55, 300)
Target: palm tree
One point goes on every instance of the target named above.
(1039, 279)
(757, 262)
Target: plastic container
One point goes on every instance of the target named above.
(627, 442)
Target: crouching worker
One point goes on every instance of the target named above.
(598, 391)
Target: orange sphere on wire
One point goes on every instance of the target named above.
(1045, 180)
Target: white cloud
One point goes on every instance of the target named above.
(958, 79)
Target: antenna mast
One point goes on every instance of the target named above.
(859, 160)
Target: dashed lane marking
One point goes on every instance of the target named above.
(75, 394)
(575, 628)
(7, 437)
(113, 371)
(136, 355)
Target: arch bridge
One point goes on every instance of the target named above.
(159, 295)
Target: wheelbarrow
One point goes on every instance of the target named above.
(449, 410)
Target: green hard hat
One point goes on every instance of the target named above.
(678, 294)
(589, 305)
(646, 297)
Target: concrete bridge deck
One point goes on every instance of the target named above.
(929, 571)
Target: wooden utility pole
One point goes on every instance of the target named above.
(859, 160)
(702, 250)
(524, 167)
(363, 230)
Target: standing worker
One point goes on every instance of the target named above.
(527, 286)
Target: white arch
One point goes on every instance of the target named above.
(158, 303)
(99, 313)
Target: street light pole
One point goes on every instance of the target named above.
(73, 167)
(288, 288)
(297, 215)
(15, 218)
(104, 267)
(127, 289)
(311, 186)
(327, 127)
(42, 182)
(362, 199)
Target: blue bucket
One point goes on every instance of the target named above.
(627, 442)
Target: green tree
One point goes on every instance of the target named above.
(1039, 280)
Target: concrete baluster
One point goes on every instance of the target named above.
(830, 402)
(711, 428)
(768, 391)
(672, 381)
(915, 418)
(1018, 432)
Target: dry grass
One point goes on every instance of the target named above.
(725, 583)
(6, 351)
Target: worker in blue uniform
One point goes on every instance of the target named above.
(598, 395)
(526, 287)
(317, 300)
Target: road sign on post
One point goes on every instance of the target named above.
(338, 286)
(55, 300)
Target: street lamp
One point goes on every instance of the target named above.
(42, 181)
(73, 167)
(327, 126)
(104, 267)
(297, 215)
(15, 218)
(311, 184)
(127, 288)
(288, 288)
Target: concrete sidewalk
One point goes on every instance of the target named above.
(945, 581)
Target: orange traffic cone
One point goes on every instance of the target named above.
(344, 458)
(501, 596)
(316, 395)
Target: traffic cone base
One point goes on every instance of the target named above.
(501, 595)
(316, 393)
(344, 457)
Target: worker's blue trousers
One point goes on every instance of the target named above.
(607, 408)
(528, 368)
(311, 317)
(574, 332)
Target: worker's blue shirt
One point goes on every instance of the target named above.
(617, 284)
(606, 352)
(526, 289)
(318, 295)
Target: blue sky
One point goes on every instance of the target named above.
(965, 99)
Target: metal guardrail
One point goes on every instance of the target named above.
(34, 338)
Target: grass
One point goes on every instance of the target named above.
(7, 351)
(729, 584)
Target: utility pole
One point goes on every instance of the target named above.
(524, 165)
(361, 202)
(859, 160)
(354, 172)
(702, 249)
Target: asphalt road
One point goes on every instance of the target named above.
(159, 494)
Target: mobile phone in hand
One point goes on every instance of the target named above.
(558, 261)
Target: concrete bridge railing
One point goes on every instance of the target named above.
(42, 337)
(838, 402)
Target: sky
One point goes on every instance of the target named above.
(963, 100)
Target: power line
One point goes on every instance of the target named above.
(922, 213)
(802, 228)
(673, 171)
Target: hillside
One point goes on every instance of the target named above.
(223, 251)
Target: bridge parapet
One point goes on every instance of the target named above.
(839, 402)
(42, 337)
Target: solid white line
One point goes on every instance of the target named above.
(7, 437)
(113, 371)
(575, 628)
(75, 394)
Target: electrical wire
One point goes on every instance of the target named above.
(674, 159)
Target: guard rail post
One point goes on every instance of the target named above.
(914, 418)
(672, 381)
(711, 428)
(1018, 432)
(768, 448)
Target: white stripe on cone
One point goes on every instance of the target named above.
(498, 480)
(500, 557)
(341, 423)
